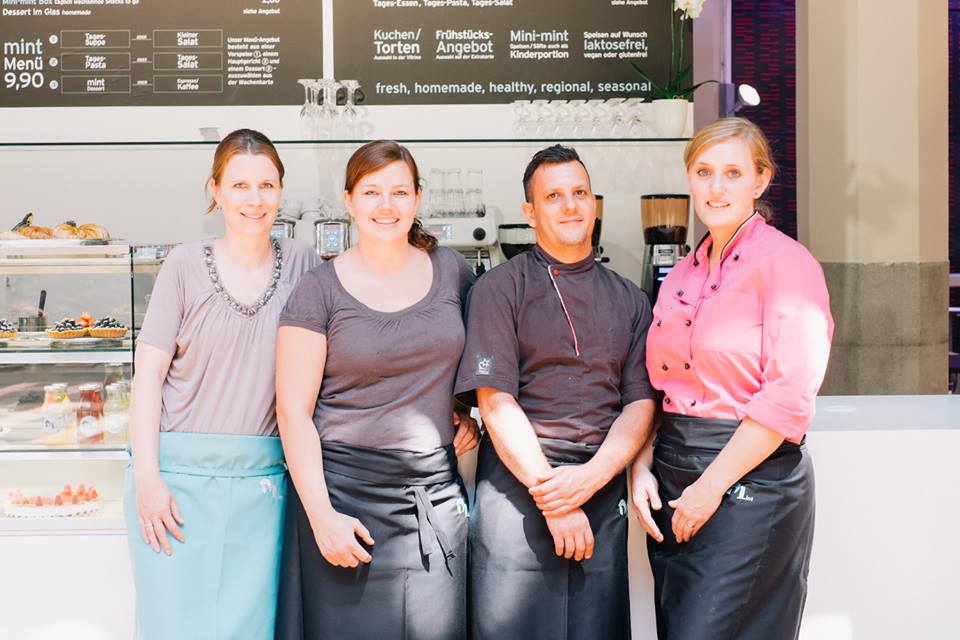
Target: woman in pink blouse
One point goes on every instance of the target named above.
(739, 346)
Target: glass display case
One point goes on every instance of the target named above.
(66, 363)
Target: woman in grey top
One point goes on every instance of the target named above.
(207, 466)
(375, 537)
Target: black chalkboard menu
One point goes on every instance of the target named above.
(158, 52)
(252, 52)
(498, 51)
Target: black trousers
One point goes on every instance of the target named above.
(414, 506)
(744, 575)
(519, 587)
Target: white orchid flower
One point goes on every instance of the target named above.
(690, 8)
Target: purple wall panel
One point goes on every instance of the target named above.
(765, 56)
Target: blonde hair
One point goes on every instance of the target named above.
(734, 129)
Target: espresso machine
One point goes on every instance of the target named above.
(664, 217)
(328, 231)
(474, 237)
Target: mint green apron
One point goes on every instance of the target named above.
(222, 581)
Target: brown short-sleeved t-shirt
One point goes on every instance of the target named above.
(221, 377)
(388, 377)
(572, 353)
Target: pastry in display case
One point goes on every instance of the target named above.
(45, 503)
(90, 233)
(64, 384)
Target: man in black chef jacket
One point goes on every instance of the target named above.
(555, 359)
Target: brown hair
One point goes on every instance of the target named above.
(374, 156)
(735, 129)
(241, 141)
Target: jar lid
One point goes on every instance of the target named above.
(91, 386)
(55, 387)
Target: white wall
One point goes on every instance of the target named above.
(154, 193)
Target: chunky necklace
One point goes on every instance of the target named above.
(252, 309)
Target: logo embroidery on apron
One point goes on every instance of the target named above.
(484, 365)
(462, 508)
(739, 492)
(267, 487)
(622, 507)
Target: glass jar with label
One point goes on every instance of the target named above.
(90, 414)
(58, 429)
(115, 409)
(112, 373)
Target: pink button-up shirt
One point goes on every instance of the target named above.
(750, 339)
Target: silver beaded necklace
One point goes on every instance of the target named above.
(251, 309)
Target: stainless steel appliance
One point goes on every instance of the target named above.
(665, 218)
(331, 236)
(474, 237)
(283, 228)
(515, 239)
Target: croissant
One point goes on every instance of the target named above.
(66, 230)
(93, 232)
(36, 232)
(10, 235)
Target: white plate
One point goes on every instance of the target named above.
(83, 340)
(57, 511)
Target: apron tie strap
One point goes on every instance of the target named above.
(427, 524)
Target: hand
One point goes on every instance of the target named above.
(563, 489)
(336, 536)
(468, 433)
(694, 507)
(158, 513)
(645, 496)
(572, 535)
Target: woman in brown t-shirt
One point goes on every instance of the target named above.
(367, 352)
(207, 466)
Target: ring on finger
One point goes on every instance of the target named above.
(690, 525)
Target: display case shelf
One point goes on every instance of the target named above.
(66, 356)
(32, 452)
(355, 141)
(109, 519)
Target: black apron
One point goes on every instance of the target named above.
(744, 575)
(414, 506)
(519, 587)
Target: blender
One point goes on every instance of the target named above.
(664, 217)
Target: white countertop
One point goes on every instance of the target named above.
(887, 413)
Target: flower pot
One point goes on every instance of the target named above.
(670, 117)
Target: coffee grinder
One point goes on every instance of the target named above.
(665, 217)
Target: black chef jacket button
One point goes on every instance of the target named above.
(686, 365)
(714, 286)
(555, 271)
(736, 257)
(667, 401)
(665, 367)
(659, 322)
(696, 263)
(693, 403)
(687, 322)
(680, 293)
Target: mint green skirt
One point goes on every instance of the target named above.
(222, 581)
